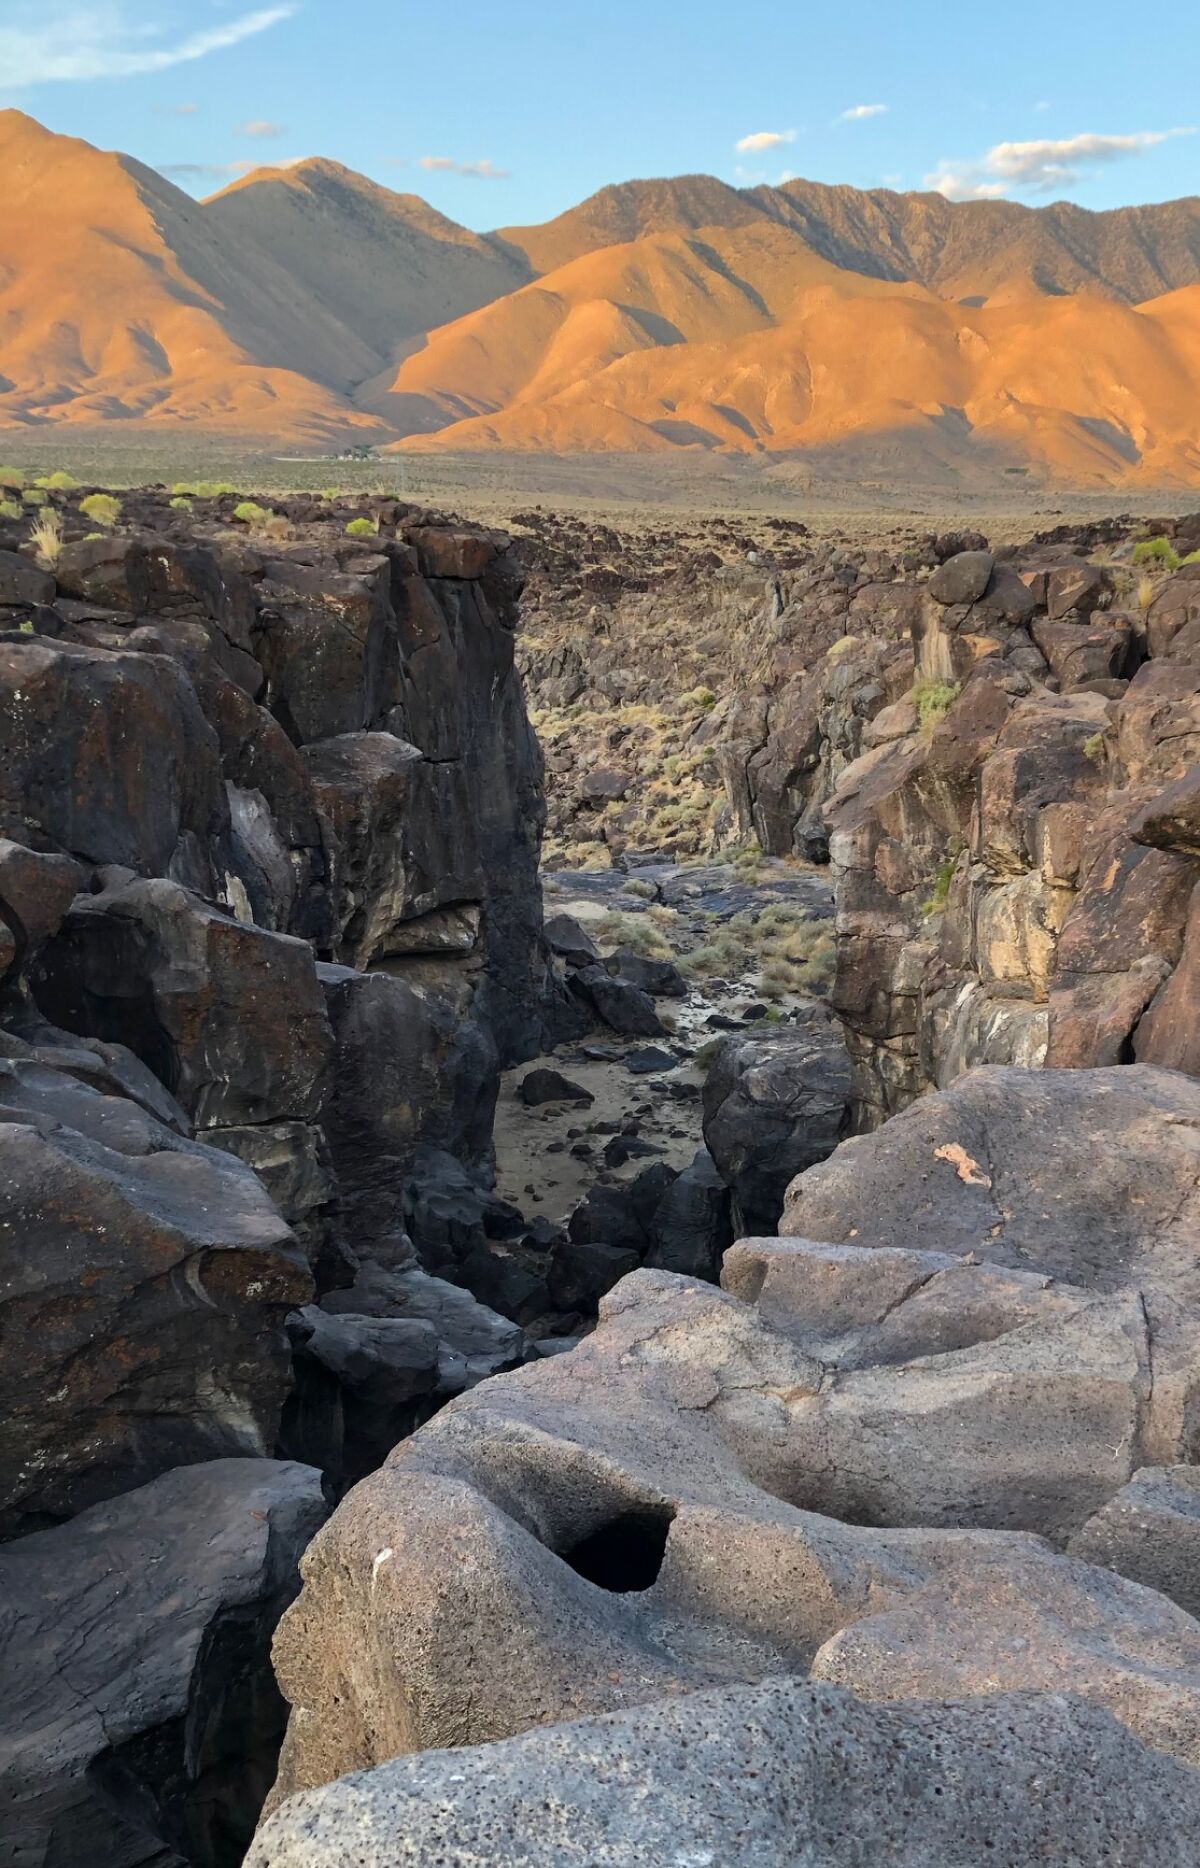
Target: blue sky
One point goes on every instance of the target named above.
(507, 111)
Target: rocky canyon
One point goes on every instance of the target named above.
(601, 1188)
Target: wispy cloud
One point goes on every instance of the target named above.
(1042, 166)
(764, 139)
(858, 113)
(70, 45)
(220, 171)
(484, 171)
(258, 126)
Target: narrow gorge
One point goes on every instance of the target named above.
(608, 1284)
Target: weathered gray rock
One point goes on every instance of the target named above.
(775, 1103)
(638, 1518)
(1150, 1531)
(1084, 1176)
(832, 1781)
(140, 1722)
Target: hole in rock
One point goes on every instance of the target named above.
(626, 1554)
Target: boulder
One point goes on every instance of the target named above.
(833, 1781)
(660, 978)
(643, 1518)
(1085, 1176)
(140, 1721)
(229, 1017)
(550, 1086)
(616, 1002)
(962, 578)
(1150, 1532)
(691, 1228)
(473, 1342)
(145, 1280)
(568, 941)
(775, 1103)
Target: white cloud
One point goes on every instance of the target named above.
(99, 42)
(484, 171)
(258, 126)
(764, 139)
(1042, 166)
(964, 182)
(858, 113)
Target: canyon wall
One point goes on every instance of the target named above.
(270, 924)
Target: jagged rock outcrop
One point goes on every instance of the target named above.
(343, 772)
(269, 922)
(1009, 888)
(832, 1780)
(139, 1721)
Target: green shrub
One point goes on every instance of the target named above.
(702, 697)
(11, 479)
(33, 496)
(933, 701)
(363, 528)
(936, 903)
(1193, 557)
(180, 504)
(250, 513)
(203, 489)
(1093, 748)
(101, 509)
(1156, 551)
(10, 509)
(59, 482)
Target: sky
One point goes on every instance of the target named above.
(506, 112)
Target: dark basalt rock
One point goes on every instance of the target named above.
(616, 1002)
(146, 1280)
(550, 1086)
(140, 1722)
(775, 1103)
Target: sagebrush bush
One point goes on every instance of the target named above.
(363, 528)
(102, 509)
(59, 482)
(1156, 551)
(10, 509)
(181, 504)
(203, 489)
(250, 513)
(34, 496)
(933, 701)
(11, 479)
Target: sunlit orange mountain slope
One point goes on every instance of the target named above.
(870, 331)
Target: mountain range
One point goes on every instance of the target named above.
(866, 329)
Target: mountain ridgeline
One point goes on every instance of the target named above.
(865, 330)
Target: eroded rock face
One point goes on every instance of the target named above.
(862, 1459)
(145, 1281)
(832, 1780)
(139, 1722)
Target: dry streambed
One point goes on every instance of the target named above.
(751, 946)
